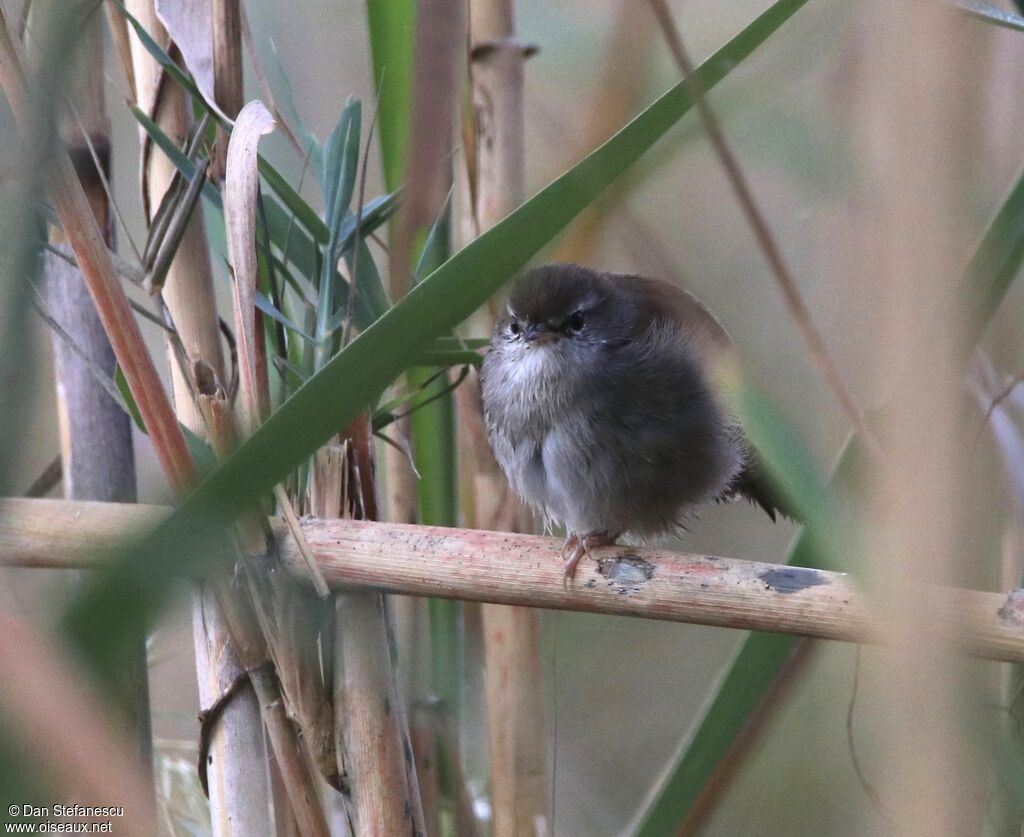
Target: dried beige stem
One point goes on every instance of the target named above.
(475, 565)
(513, 680)
(254, 620)
(227, 71)
(918, 133)
(369, 720)
(291, 621)
(370, 727)
(241, 190)
(188, 287)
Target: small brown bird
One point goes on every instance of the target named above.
(602, 412)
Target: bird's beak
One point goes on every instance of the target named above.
(540, 334)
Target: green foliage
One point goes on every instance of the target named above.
(392, 25)
(341, 164)
(990, 13)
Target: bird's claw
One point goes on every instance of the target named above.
(576, 548)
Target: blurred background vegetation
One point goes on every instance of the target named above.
(621, 695)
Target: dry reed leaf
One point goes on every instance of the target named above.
(241, 190)
(190, 25)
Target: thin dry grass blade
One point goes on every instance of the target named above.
(759, 225)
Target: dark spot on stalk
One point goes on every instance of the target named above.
(626, 573)
(1012, 610)
(792, 579)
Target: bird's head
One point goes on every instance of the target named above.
(564, 310)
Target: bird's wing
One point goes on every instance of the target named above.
(713, 346)
(705, 334)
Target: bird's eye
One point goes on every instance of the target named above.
(574, 322)
(514, 328)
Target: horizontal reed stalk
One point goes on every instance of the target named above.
(475, 565)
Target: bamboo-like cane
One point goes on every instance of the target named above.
(248, 628)
(475, 565)
(371, 725)
(288, 622)
(513, 679)
(227, 72)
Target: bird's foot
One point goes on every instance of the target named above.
(576, 548)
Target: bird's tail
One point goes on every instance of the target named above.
(755, 484)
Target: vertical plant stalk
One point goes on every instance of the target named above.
(248, 616)
(237, 782)
(188, 287)
(227, 72)
(919, 138)
(291, 620)
(513, 678)
(371, 733)
(96, 434)
(378, 757)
